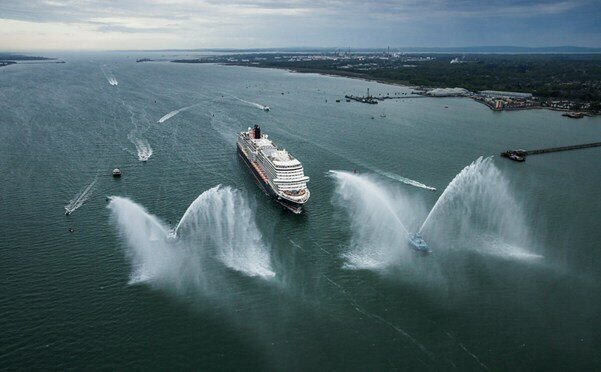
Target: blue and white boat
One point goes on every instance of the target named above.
(417, 243)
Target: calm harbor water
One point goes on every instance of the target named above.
(513, 282)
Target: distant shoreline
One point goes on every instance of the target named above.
(366, 77)
(300, 70)
(7, 59)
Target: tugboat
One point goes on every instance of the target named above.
(516, 157)
(117, 172)
(418, 244)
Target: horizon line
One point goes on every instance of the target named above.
(574, 48)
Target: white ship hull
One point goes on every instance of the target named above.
(277, 173)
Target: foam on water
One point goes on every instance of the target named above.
(253, 104)
(109, 76)
(143, 148)
(81, 197)
(174, 112)
(405, 180)
(218, 228)
(224, 123)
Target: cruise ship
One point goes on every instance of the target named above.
(277, 172)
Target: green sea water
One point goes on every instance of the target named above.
(512, 283)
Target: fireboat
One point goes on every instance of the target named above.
(418, 244)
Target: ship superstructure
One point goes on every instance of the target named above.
(277, 172)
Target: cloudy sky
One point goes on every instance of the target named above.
(162, 24)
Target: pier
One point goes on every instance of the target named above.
(520, 155)
(373, 100)
(367, 99)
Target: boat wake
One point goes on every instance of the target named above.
(253, 104)
(405, 180)
(80, 198)
(217, 230)
(143, 148)
(109, 76)
(174, 112)
(223, 123)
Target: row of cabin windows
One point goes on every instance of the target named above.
(293, 171)
(267, 166)
(289, 167)
(288, 174)
(292, 187)
(290, 179)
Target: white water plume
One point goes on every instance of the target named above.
(217, 229)
(109, 76)
(234, 232)
(151, 255)
(478, 211)
(174, 112)
(378, 217)
(143, 148)
(80, 198)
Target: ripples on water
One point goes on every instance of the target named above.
(274, 291)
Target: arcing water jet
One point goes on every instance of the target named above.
(479, 210)
(221, 217)
(218, 227)
(476, 211)
(377, 227)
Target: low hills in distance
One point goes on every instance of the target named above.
(7, 59)
(464, 49)
(566, 80)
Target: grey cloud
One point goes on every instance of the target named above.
(70, 11)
